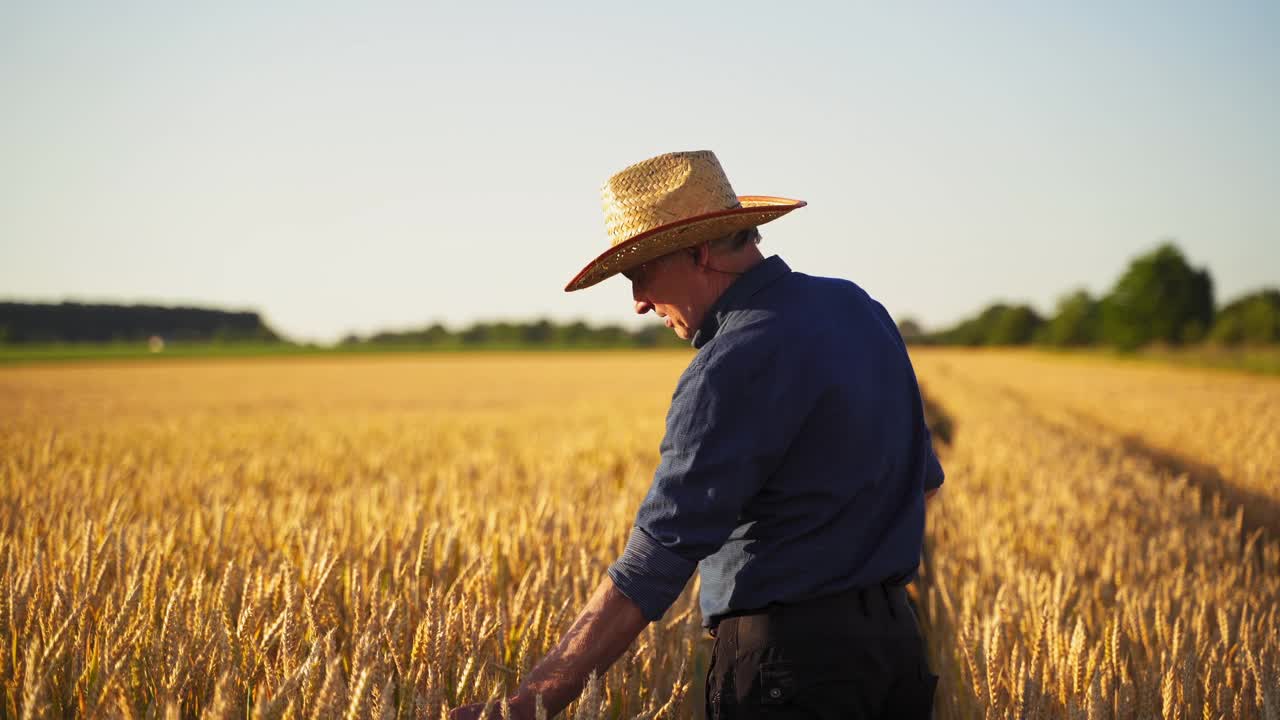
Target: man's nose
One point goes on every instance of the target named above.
(643, 306)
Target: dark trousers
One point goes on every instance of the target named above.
(854, 655)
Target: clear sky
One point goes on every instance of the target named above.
(361, 166)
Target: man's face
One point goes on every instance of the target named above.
(669, 285)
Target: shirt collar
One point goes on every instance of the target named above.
(748, 284)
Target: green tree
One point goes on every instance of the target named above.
(975, 331)
(998, 324)
(1253, 319)
(575, 333)
(437, 334)
(1015, 325)
(477, 334)
(910, 329)
(1075, 322)
(1160, 298)
(538, 333)
(611, 336)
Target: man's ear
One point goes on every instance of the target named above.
(701, 255)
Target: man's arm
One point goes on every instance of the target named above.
(724, 432)
(604, 630)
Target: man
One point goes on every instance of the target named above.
(794, 470)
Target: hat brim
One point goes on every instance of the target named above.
(755, 210)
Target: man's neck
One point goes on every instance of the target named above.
(726, 269)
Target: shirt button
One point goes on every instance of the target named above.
(775, 693)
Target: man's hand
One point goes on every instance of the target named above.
(604, 630)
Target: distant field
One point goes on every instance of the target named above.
(72, 352)
(1255, 360)
(66, 352)
(386, 535)
(1264, 361)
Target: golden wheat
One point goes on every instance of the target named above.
(1205, 422)
(1099, 582)
(389, 536)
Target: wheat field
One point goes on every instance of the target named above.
(388, 536)
(1074, 572)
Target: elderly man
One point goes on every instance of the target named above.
(793, 474)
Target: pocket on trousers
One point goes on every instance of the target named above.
(779, 682)
(911, 696)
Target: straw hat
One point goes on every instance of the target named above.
(669, 202)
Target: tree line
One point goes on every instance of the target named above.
(1159, 299)
(535, 334)
(71, 322)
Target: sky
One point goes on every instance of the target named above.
(354, 167)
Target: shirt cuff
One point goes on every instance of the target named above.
(649, 574)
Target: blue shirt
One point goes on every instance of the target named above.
(796, 455)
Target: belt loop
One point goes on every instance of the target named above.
(888, 601)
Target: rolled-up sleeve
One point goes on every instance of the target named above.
(650, 574)
(727, 428)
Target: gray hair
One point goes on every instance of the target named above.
(735, 241)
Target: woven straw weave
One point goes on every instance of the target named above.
(668, 202)
(663, 190)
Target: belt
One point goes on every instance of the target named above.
(886, 600)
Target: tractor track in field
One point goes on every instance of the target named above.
(1258, 511)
